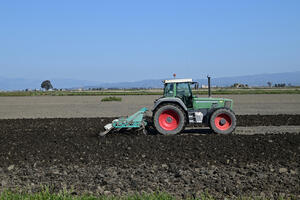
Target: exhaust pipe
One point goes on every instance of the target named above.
(209, 91)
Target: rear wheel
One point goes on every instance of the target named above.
(169, 119)
(223, 121)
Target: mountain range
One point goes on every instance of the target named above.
(292, 78)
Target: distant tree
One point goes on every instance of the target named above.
(269, 84)
(46, 85)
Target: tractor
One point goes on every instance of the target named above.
(178, 107)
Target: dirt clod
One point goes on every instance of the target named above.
(11, 167)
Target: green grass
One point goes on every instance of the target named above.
(47, 195)
(215, 91)
(251, 91)
(77, 93)
(111, 99)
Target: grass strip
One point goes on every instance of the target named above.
(146, 92)
(45, 194)
(111, 99)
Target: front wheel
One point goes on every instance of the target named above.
(169, 119)
(223, 121)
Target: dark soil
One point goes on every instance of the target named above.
(268, 120)
(65, 153)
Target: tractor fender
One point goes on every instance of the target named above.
(169, 100)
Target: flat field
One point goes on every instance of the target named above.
(91, 106)
(261, 159)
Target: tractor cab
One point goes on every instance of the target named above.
(180, 88)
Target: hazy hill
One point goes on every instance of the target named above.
(257, 80)
(252, 80)
(22, 84)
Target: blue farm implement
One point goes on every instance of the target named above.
(134, 121)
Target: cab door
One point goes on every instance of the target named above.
(183, 91)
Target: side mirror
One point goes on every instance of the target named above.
(196, 87)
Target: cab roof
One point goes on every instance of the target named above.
(187, 80)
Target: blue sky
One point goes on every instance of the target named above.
(136, 40)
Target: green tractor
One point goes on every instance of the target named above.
(178, 107)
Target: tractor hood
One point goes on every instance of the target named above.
(208, 102)
(211, 99)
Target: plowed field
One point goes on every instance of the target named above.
(66, 153)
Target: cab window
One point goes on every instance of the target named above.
(169, 90)
(183, 89)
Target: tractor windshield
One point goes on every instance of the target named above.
(169, 90)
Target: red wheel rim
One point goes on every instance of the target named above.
(223, 122)
(168, 120)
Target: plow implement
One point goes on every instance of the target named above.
(135, 121)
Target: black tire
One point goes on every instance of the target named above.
(175, 121)
(223, 121)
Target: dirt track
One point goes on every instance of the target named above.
(66, 153)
